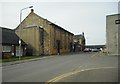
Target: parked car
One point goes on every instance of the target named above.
(95, 50)
(87, 50)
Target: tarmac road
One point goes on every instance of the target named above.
(45, 70)
(104, 74)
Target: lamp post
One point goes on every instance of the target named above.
(20, 42)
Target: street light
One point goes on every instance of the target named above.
(20, 30)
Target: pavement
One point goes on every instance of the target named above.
(45, 70)
(35, 59)
(23, 61)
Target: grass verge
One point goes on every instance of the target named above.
(22, 58)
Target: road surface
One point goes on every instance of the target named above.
(47, 69)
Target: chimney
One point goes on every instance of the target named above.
(83, 33)
(32, 10)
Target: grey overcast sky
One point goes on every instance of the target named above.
(76, 17)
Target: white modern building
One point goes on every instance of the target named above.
(113, 34)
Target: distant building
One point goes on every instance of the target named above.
(79, 42)
(10, 44)
(44, 37)
(113, 34)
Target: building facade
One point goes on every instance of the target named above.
(79, 42)
(44, 37)
(113, 34)
(10, 44)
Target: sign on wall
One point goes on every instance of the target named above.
(117, 21)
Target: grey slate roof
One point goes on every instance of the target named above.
(10, 37)
(79, 36)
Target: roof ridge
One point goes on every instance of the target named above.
(6, 28)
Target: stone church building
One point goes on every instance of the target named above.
(44, 37)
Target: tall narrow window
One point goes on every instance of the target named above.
(60, 38)
(65, 40)
(54, 37)
(42, 40)
(68, 40)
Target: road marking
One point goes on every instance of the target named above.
(95, 55)
(56, 79)
(62, 76)
(76, 68)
